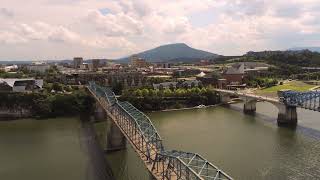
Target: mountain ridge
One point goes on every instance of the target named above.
(311, 48)
(172, 52)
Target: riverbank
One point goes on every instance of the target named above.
(44, 105)
(195, 107)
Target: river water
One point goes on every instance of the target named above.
(41, 149)
(244, 146)
(51, 149)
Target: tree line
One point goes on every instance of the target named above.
(148, 99)
(44, 105)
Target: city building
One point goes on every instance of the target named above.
(95, 64)
(163, 65)
(38, 67)
(234, 75)
(84, 66)
(186, 72)
(165, 85)
(256, 69)
(20, 85)
(311, 69)
(204, 62)
(9, 68)
(128, 79)
(191, 83)
(77, 61)
(222, 83)
(173, 85)
(138, 62)
(207, 79)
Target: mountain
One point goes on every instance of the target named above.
(314, 49)
(173, 52)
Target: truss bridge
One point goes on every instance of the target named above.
(131, 125)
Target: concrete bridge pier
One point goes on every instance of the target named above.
(99, 113)
(287, 115)
(249, 107)
(115, 139)
(225, 98)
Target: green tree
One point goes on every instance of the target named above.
(138, 93)
(167, 92)
(145, 92)
(57, 86)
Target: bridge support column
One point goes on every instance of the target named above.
(224, 98)
(115, 139)
(99, 113)
(249, 107)
(287, 115)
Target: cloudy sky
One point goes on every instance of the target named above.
(59, 29)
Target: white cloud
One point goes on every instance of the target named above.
(114, 24)
(24, 33)
(127, 26)
(11, 38)
(4, 12)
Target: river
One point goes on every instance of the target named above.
(50, 149)
(244, 146)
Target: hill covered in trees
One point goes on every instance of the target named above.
(173, 52)
(303, 58)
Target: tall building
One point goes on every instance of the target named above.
(95, 64)
(77, 61)
(138, 62)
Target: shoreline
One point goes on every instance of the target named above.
(188, 108)
(196, 107)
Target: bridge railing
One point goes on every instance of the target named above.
(144, 136)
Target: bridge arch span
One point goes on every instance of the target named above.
(287, 114)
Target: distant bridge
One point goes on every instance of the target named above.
(130, 124)
(287, 103)
(307, 100)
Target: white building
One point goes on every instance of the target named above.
(38, 67)
(20, 85)
(10, 68)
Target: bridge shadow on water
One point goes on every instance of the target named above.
(97, 166)
(310, 132)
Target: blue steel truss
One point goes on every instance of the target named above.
(167, 164)
(144, 123)
(200, 166)
(307, 100)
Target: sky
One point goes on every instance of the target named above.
(63, 29)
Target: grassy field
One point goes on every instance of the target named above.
(292, 85)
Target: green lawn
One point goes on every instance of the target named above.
(293, 85)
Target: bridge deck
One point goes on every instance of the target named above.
(253, 96)
(307, 100)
